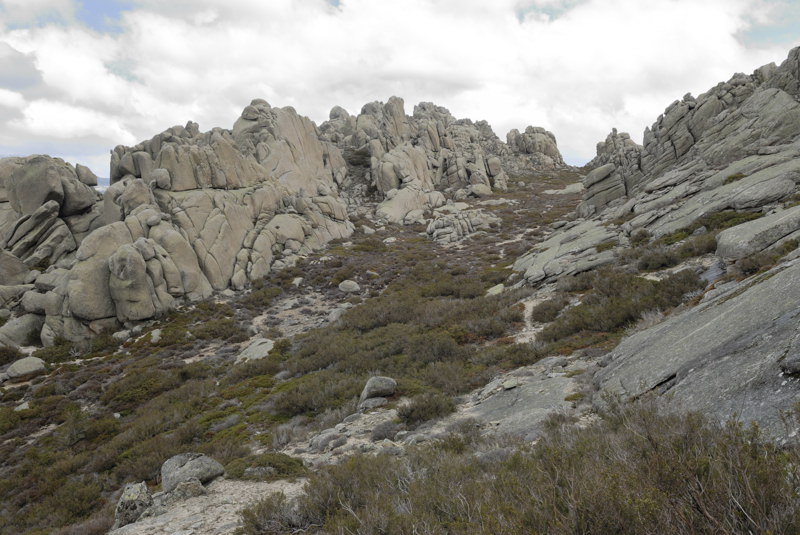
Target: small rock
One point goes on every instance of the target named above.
(367, 230)
(349, 286)
(132, 503)
(378, 386)
(155, 336)
(325, 439)
(510, 384)
(480, 190)
(352, 418)
(390, 239)
(183, 491)
(121, 336)
(258, 349)
(22, 407)
(496, 290)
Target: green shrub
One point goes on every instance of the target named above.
(8, 419)
(657, 258)
(658, 472)
(266, 466)
(606, 246)
(548, 310)
(9, 354)
(221, 329)
(261, 298)
(138, 386)
(619, 299)
(640, 237)
(61, 350)
(734, 178)
(425, 407)
(759, 262)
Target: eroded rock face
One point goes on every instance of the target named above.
(430, 153)
(735, 147)
(187, 213)
(744, 127)
(729, 355)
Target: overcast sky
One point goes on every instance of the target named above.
(78, 77)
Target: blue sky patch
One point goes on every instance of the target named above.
(102, 15)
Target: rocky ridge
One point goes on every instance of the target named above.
(414, 163)
(188, 214)
(733, 149)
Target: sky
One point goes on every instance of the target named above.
(78, 77)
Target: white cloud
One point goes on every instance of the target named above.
(19, 12)
(11, 99)
(578, 68)
(59, 120)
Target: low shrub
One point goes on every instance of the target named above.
(640, 237)
(266, 466)
(384, 431)
(734, 178)
(61, 350)
(659, 473)
(260, 297)
(547, 311)
(9, 354)
(138, 386)
(759, 262)
(425, 407)
(618, 299)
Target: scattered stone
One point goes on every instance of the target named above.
(135, 499)
(257, 349)
(497, 289)
(349, 286)
(372, 403)
(190, 488)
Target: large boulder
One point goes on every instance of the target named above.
(39, 179)
(755, 236)
(378, 386)
(186, 466)
(21, 331)
(25, 368)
